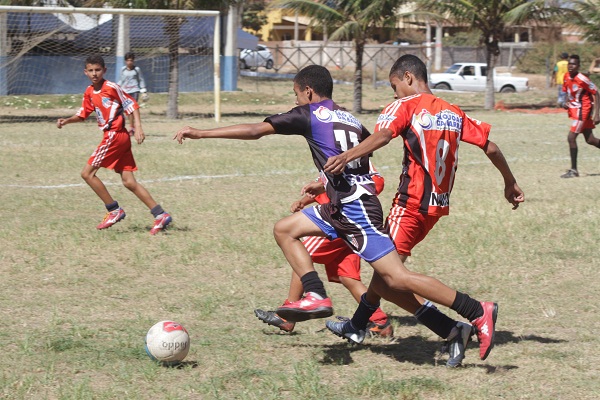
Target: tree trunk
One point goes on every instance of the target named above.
(360, 48)
(172, 25)
(492, 50)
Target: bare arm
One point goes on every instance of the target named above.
(596, 111)
(137, 124)
(241, 132)
(512, 191)
(64, 121)
(377, 140)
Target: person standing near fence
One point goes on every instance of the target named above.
(558, 77)
(132, 82)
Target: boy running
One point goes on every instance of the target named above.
(431, 129)
(111, 104)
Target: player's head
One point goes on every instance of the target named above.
(564, 56)
(313, 78)
(95, 59)
(95, 69)
(408, 73)
(573, 66)
(130, 55)
(409, 63)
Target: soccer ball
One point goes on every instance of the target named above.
(167, 342)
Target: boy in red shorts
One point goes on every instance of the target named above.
(111, 104)
(342, 265)
(582, 104)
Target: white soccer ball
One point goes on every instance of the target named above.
(167, 342)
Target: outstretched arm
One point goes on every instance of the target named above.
(64, 121)
(242, 132)
(596, 112)
(512, 191)
(336, 164)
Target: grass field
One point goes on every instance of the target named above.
(76, 302)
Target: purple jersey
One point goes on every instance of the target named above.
(329, 131)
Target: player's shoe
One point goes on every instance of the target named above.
(384, 330)
(344, 329)
(161, 222)
(308, 307)
(111, 218)
(456, 343)
(572, 173)
(271, 318)
(486, 328)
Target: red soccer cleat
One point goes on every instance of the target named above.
(111, 218)
(486, 328)
(308, 307)
(161, 222)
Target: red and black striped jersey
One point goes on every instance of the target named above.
(431, 129)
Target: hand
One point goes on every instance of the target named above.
(60, 123)
(336, 164)
(313, 189)
(145, 97)
(296, 206)
(185, 132)
(514, 195)
(139, 135)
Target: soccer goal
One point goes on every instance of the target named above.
(43, 49)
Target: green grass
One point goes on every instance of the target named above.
(76, 302)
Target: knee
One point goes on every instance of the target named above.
(129, 183)
(280, 231)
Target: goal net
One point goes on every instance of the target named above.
(43, 51)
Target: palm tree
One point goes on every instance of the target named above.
(353, 19)
(491, 18)
(590, 9)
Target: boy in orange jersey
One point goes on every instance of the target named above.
(111, 104)
(431, 130)
(583, 106)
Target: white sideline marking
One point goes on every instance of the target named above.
(168, 179)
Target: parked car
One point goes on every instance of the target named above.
(259, 57)
(472, 77)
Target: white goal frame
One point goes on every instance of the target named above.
(121, 45)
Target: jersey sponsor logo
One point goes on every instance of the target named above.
(325, 115)
(106, 102)
(385, 118)
(443, 120)
(127, 103)
(439, 199)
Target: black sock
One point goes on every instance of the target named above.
(157, 210)
(467, 307)
(573, 152)
(312, 283)
(437, 322)
(112, 206)
(361, 316)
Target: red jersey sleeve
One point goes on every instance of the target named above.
(475, 132)
(394, 117)
(87, 106)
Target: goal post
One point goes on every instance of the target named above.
(42, 51)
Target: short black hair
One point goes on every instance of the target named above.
(316, 77)
(130, 55)
(576, 57)
(564, 56)
(95, 59)
(412, 64)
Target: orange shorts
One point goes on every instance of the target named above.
(407, 228)
(336, 255)
(114, 152)
(578, 126)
